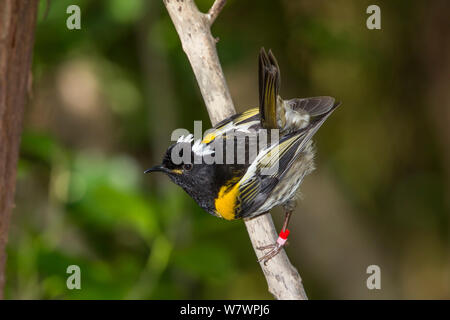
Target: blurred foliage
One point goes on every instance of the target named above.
(107, 97)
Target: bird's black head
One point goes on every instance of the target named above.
(196, 179)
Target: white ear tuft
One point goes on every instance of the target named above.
(201, 149)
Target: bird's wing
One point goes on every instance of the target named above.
(270, 166)
(314, 106)
(269, 87)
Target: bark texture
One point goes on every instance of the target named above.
(17, 26)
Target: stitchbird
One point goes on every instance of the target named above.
(250, 186)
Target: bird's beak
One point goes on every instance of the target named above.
(158, 168)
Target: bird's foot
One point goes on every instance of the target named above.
(275, 248)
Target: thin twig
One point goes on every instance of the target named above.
(283, 280)
(215, 10)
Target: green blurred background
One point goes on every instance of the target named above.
(107, 97)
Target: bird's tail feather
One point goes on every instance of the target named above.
(269, 87)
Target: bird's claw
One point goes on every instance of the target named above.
(275, 248)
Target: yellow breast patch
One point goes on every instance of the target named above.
(226, 201)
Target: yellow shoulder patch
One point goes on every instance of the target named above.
(226, 201)
(208, 138)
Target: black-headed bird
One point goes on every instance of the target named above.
(252, 185)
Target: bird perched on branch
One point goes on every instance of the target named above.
(246, 186)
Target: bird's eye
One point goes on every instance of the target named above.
(187, 166)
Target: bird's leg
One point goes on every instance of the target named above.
(281, 241)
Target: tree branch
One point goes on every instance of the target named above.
(213, 13)
(17, 24)
(193, 28)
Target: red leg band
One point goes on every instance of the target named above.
(283, 237)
